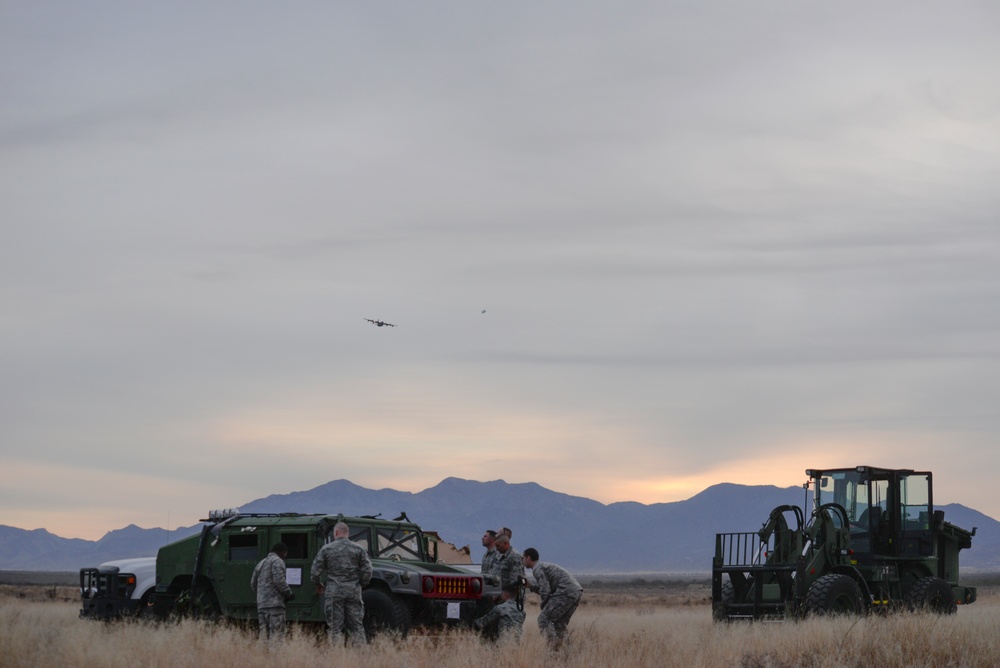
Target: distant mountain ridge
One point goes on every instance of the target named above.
(581, 534)
(39, 550)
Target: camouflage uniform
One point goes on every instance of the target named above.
(507, 617)
(561, 595)
(491, 563)
(348, 569)
(510, 567)
(268, 580)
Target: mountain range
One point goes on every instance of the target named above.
(579, 533)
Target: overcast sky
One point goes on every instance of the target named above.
(631, 250)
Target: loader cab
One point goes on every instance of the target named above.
(889, 511)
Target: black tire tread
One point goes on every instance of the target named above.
(932, 594)
(831, 589)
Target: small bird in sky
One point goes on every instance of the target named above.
(380, 323)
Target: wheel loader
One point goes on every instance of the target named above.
(872, 542)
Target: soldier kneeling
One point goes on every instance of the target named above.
(505, 621)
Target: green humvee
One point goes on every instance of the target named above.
(209, 574)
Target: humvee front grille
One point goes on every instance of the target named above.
(445, 586)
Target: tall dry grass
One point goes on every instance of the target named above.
(610, 631)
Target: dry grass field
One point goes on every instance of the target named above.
(627, 625)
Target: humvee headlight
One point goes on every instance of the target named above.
(428, 584)
(476, 586)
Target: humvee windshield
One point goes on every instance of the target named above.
(358, 535)
(394, 543)
(391, 542)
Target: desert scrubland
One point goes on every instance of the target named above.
(627, 624)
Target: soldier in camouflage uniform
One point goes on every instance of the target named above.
(505, 621)
(560, 594)
(268, 580)
(509, 563)
(489, 565)
(347, 569)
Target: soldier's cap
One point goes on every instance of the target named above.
(492, 533)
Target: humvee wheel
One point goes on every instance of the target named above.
(204, 603)
(932, 594)
(403, 616)
(834, 594)
(381, 613)
(197, 602)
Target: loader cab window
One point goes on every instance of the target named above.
(846, 489)
(915, 501)
(916, 509)
(864, 496)
(867, 510)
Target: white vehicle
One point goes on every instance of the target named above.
(119, 588)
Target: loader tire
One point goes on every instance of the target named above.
(932, 594)
(720, 608)
(834, 594)
(728, 592)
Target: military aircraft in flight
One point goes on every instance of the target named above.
(380, 323)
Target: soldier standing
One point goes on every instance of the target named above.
(348, 569)
(489, 565)
(560, 594)
(269, 581)
(509, 563)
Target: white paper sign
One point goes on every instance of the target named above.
(293, 576)
(454, 610)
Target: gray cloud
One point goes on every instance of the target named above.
(709, 236)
